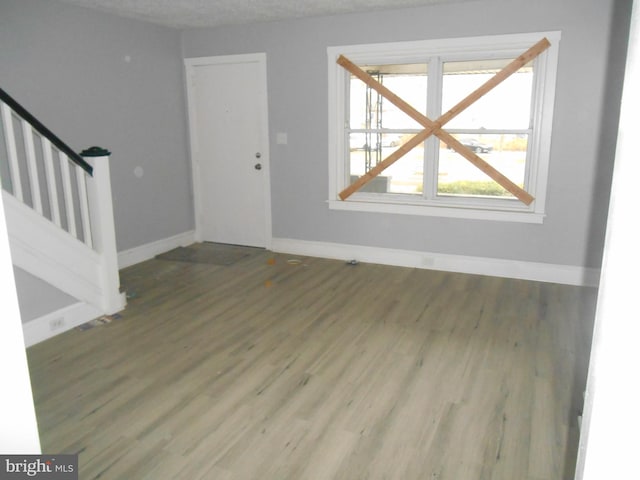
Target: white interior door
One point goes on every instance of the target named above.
(229, 148)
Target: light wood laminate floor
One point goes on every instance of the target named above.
(320, 370)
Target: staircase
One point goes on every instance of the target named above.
(59, 216)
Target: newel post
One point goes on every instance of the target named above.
(103, 227)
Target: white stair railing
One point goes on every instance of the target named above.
(37, 180)
(69, 191)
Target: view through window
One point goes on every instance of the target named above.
(509, 127)
(496, 128)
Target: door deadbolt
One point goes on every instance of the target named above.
(258, 155)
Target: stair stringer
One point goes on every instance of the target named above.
(48, 252)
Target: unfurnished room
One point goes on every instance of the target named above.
(279, 239)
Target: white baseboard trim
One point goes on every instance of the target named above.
(541, 272)
(135, 255)
(55, 323)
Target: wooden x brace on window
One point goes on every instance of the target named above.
(435, 127)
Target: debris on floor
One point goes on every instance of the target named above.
(104, 320)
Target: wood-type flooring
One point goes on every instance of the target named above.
(279, 367)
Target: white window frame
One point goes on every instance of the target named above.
(539, 144)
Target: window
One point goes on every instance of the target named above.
(509, 127)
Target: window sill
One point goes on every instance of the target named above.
(437, 211)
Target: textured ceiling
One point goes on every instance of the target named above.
(209, 13)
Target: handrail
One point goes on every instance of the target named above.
(45, 132)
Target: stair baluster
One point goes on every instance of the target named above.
(55, 193)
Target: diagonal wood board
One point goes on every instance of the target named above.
(435, 127)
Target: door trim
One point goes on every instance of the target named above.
(190, 65)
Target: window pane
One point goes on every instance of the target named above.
(506, 106)
(404, 176)
(458, 176)
(368, 109)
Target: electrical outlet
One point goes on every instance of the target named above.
(428, 261)
(56, 324)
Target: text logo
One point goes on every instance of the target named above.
(40, 467)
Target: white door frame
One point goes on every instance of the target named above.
(190, 64)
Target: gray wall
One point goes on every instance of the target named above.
(582, 144)
(68, 66)
(36, 297)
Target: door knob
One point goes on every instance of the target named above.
(258, 166)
